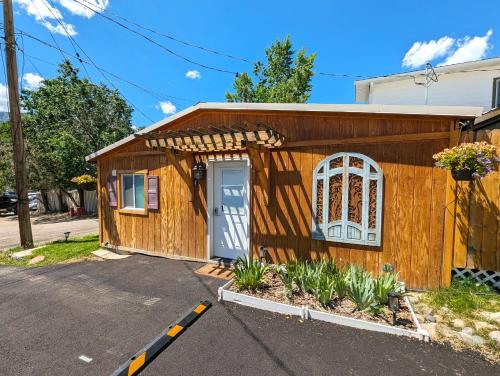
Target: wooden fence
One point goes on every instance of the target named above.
(476, 209)
(55, 197)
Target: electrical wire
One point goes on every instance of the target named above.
(157, 95)
(149, 39)
(168, 36)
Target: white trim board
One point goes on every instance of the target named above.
(224, 294)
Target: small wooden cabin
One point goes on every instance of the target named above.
(356, 183)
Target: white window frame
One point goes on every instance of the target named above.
(122, 186)
(368, 236)
(496, 92)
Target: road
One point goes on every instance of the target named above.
(109, 310)
(45, 228)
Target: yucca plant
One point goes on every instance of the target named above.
(383, 284)
(360, 288)
(324, 289)
(248, 275)
(340, 282)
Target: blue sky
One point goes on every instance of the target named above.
(350, 37)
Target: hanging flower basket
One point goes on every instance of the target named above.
(462, 175)
(85, 182)
(468, 162)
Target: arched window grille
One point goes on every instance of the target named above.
(347, 199)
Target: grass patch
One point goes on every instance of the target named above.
(464, 298)
(56, 252)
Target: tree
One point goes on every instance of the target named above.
(7, 181)
(283, 79)
(66, 119)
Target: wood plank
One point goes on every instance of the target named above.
(370, 139)
(449, 220)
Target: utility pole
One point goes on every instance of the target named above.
(23, 210)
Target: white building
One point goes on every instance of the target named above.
(475, 83)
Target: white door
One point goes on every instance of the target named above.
(230, 209)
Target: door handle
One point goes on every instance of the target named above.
(216, 210)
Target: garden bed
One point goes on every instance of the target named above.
(272, 295)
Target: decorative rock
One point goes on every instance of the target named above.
(36, 260)
(431, 329)
(493, 316)
(21, 254)
(468, 330)
(472, 339)
(459, 323)
(445, 309)
(483, 325)
(495, 335)
(429, 318)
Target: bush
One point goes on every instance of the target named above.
(248, 274)
(360, 288)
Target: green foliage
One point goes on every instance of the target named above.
(324, 288)
(383, 284)
(361, 288)
(248, 274)
(478, 157)
(56, 252)
(281, 80)
(7, 181)
(288, 281)
(464, 297)
(66, 119)
(340, 282)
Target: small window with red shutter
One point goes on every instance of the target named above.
(153, 192)
(112, 194)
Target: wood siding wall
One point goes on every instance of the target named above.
(413, 205)
(477, 215)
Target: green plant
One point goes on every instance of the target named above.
(288, 281)
(248, 274)
(383, 284)
(340, 282)
(360, 288)
(479, 157)
(464, 297)
(324, 289)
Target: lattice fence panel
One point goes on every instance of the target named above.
(488, 277)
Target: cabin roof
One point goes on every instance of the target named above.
(446, 111)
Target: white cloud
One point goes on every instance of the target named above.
(470, 49)
(32, 81)
(40, 9)
(80, 10)
(423, 52)
(193, 74)
(168, 108)
(4, 102)
(62, 28)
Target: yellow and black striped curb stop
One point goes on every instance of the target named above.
(136, 363)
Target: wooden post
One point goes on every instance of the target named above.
(23, 210)
(450, 210)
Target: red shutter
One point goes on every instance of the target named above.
(112, 196)
(153, 192)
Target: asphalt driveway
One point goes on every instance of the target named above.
(108, 310)
(46, 228)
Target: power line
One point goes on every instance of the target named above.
(171, 37)
(73, 43)
(155, 42)
(157, 95)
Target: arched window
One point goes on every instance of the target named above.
(347, 199)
